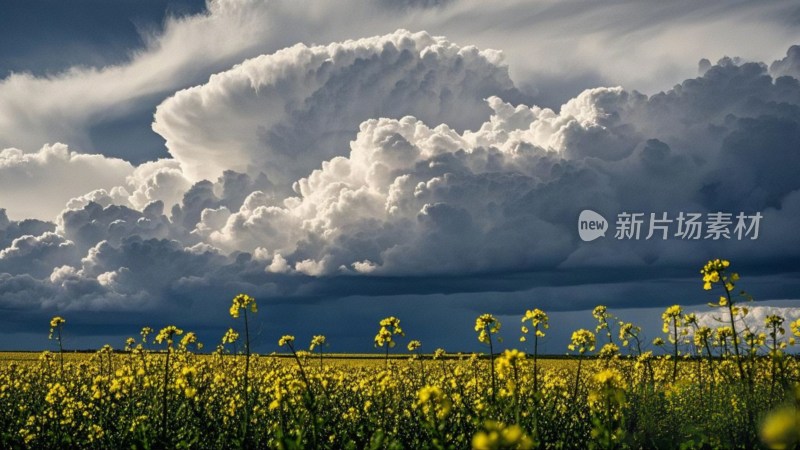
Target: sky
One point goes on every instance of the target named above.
(432, 160)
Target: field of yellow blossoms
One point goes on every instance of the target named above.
(726, 387)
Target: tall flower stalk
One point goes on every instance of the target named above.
(288, 342)
(389, 327)
(240, 305)
(774, 325)
(539, 322)
(627, 332)
(486, 325)
(412, 347)
(672, 320)
(715, 272)
(317, 342)
(167, 334)
(582, 341)
(56, 326)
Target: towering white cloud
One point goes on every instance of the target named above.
(161, 180)
(282, 114)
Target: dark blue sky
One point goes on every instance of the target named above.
(49, 36)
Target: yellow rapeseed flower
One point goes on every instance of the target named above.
(582, 340)
(242, 301)
(781, 428)
(485, 325)
(316, 341)
(167, 333)
(389, 326)
(496, 435)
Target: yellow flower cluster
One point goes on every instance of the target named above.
(671, 317)
(781, 428)
(286, 339)
(189, 339)
(167, 334)
(538, 320)
(608, 350)
(508, 366)
(316, 341)
(795, 327)
(433, 402)
(600, 313)
(508, 362)
(242, 302)
(497, 435)
(230, 336)
(55, 322)
(486, 325)
(627, 331)
(609, 378)
(414, 345)
(702, 336)
(582, 340)
(714, 272)
(389, 326)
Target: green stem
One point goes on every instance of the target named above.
(535, 361)
(61, 353)
(735, 334)
(246, 378)
(491, 362)
(312, 401)
(675, 347)
(577, 379)
(773, 360)
(164, 398)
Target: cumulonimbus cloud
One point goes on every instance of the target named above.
(281, 114)
(415, 199)
(496, 191)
